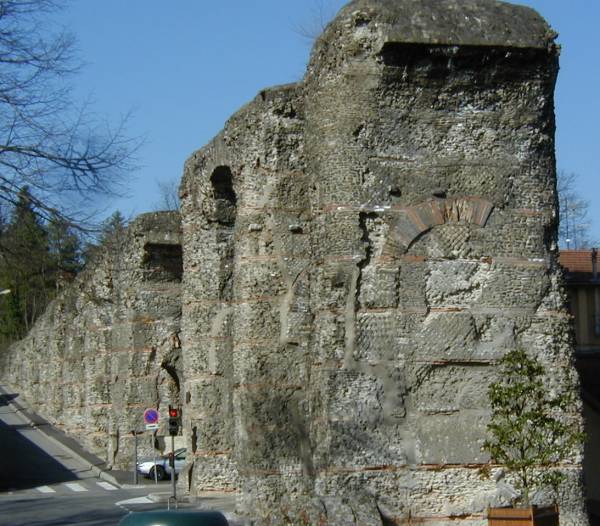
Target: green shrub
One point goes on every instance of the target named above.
(531, 430)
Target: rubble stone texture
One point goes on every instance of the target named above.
(108, 347)
(359, 250)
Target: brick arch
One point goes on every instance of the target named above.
(415, 220)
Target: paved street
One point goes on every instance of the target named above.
(28, 459)
(42, 483)
(82, 502)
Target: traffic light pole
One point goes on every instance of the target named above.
(173, 485)
(174, 421)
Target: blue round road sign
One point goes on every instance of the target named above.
(151, 416)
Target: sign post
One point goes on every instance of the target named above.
(135, 434)
(151, 417)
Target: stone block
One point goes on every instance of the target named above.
(259, 320)
(357, 251)
(452, 439)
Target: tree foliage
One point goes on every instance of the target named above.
(26, 262)
(37, 257)
(110, 239)
(60, 152)
(530, 430)
(64, 245)
(56, 159)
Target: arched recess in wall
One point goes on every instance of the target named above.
(411, 222)
(170, 384)
(224, 195)
(169, 391)
(224, 215)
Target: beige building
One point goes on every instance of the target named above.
(582, 275)
(583, 280)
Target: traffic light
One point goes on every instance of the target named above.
(174, 420)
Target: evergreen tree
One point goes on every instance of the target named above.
(111, 238)
(113, 230)
(35, 258)
(65, 249)
(11, 325)
(25, 267)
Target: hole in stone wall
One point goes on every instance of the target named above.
(361, 20)
(480, 63)
(152, 355)
(224, 195)
(395, 191)
(165, 261)
(364, 220)
(174, 377)
(222, 183)
(356, 133)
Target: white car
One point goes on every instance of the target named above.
(161, 466)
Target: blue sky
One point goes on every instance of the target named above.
(185, 66)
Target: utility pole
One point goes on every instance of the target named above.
(174, 423)
(135, 454)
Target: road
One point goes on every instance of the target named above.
(82, 502)
(44, 484)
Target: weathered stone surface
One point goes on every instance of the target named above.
(387, 234)
(359, 249)
(108, 347)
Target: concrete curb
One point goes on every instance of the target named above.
(164, 497)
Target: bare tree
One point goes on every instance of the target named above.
(64, 156)
(574, 227)
(168, 191)
(321, 13)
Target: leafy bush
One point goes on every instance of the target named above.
(532, 431)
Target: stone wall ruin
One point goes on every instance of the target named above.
(108, 346)
(359, 249)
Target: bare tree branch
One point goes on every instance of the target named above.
(168, 190)
(60, 152)
(574, 227)
(321, 13)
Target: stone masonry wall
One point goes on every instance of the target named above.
(108, 347)
(356, 252)
(360, 250)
